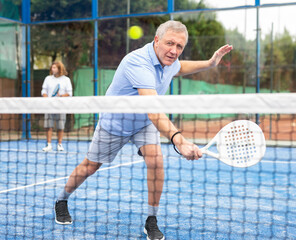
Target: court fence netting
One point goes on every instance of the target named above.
(203, 199)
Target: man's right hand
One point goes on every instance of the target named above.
(189, 150)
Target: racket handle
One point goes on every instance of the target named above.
(205, 150)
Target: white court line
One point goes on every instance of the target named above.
(116, 166)
(214, 159)
(50, 152)
(262, 161)
(39, 151)
(58, 179)
(266, 161)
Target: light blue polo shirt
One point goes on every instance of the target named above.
(138, 69)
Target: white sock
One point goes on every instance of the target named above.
(64, 195)
(152, 211)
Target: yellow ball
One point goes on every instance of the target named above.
(135, 32)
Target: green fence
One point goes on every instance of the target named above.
(8, 51)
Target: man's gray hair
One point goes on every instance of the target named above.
(172, 25)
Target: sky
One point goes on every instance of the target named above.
(245, 20)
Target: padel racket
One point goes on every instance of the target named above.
(240, 144)
(56, 90)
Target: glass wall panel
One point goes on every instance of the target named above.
(276, 1)
(11, 9)
(228, 4)
(10, 71)
(10, 59)
(241, 20)
(59, 10)
(114, 7)
(114, 43)
(207, 33)
(71, 43)
(187, 5)
(278, 35)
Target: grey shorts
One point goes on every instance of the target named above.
(105, 146)
(50, 119)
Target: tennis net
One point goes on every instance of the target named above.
(204, 199)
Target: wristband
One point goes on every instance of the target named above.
(172, 138)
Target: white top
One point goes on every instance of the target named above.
(50, 83)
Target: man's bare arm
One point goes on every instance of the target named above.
(167, 129)
(190, 67)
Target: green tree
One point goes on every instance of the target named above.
(243, 59)
(189, 4)
(72, 42)
(59, 10)
(279, 64)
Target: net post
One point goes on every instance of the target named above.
(26, 73)
(95, 62)
(257, 53)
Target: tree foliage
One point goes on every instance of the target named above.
(280, 62)
(71, 42)
(60, 9)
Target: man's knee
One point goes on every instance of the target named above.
(153, 156)
(89, 167)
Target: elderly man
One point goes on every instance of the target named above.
(146, 71)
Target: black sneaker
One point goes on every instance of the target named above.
(151, 229)
(62, 215)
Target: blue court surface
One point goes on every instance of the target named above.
(204, 199)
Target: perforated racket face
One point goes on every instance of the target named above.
(241, 144)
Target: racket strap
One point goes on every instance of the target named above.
(172, 141)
